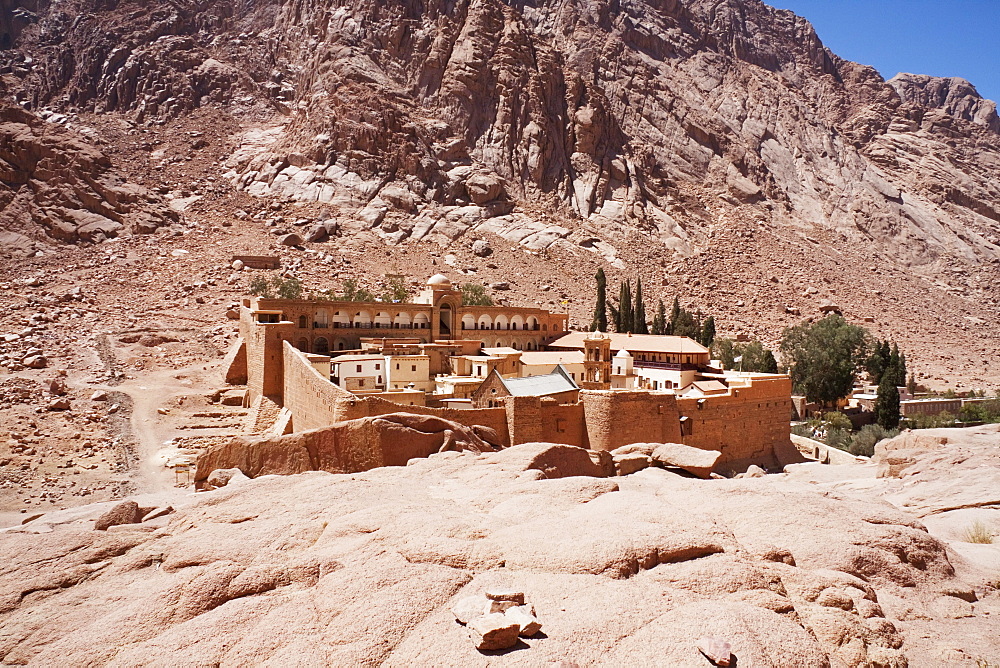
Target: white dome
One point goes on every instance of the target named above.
(624, 354)
(438, 279)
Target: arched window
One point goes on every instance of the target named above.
(303, 344)
(321, 346)
(321, 318)
(303, 322)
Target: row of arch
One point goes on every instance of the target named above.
(322, 345)
(365, 320)
(501, 321)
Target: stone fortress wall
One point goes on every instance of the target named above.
(749, 425)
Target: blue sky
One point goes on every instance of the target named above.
(951, 38)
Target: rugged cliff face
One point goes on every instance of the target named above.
(611, 112)
(659, 136)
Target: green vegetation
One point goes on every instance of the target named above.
(639, 325)
(600, 320)
(978, 532)
(660, 319)
(395, 291)
(474, 294)
(981, 411)
(826, 357)
(755, 357)
(834, 429)
(942, 419)
(707, 335)
(887, 403)
(355, 293)
(274, 286)
(863, 442)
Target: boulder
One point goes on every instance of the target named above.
(632, 463)
(524, 616)
(156, 513)
(493, 632)
(238, 265)
(470, 607)
(693, 460)
(483, 188)
(222, 477)
(61, 404)
(35, 362)
(317, 233)
(126, 512)
(99, 395)
(57, 386)
(551, 460)
(717, 651)
(482, 248)
(754, 471)
(290, 240)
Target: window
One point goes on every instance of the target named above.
(413, 367)
(378, 367)
(359, 368)
(397, 366)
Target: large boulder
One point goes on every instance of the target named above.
(693, 460)
(346, 447)
(126, 512)
(551, 460)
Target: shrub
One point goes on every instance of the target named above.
(865, 440)
(474, 294)
(837, 420)
(838, 438)
(978, 532)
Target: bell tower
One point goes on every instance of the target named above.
(597, 361)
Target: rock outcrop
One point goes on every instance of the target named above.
(366, 568)
(346, 447)
(52, 181)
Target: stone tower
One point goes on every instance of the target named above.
(597, 361)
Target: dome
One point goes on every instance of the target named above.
(596, 336)
(624, 354)
(438, 279)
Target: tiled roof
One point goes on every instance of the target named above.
(637, 343)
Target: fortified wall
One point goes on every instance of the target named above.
(315, 402)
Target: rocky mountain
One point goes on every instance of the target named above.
(664, 137)
(54, 181)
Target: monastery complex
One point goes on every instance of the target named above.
(516, 374)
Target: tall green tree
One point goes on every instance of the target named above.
(708, 332)
(893, 367)
(660, 319)
(887, 403)
(626, 313)
(639, 325)
(687, 326)
(754, 356)
(675, 314)
(826, 357)
(600, 321)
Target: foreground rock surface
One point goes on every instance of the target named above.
(365, 569)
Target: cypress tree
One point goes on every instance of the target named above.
(901, 372)
(887, 403)
(708, 332)
(639, 326)
(675, 315)
(892, 368)
(660, 319)
(600, 321)
(625, 306)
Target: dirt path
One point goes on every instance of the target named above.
(151, 430)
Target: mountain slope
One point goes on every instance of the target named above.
(667, 137)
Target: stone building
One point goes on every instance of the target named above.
(634, 388)
(322, 326)
(557, 385)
